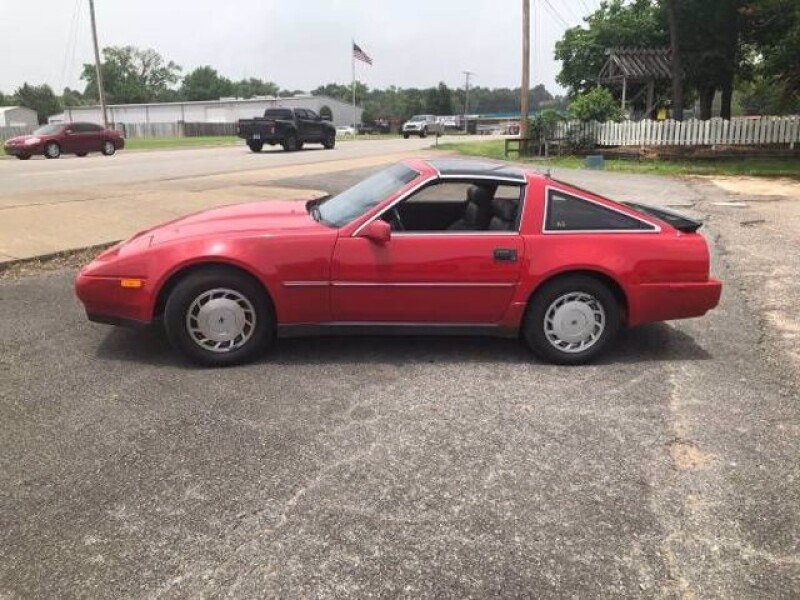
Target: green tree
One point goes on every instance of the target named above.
(39, 98)
(204, 83)
(773, 29)
(595, 105)
(132, 75)
(582, 50)
(247, 88)
(70, 97)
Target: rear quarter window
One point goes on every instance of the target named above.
(566, 212)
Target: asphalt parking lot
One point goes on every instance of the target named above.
(394, 467)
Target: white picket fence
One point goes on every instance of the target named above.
(7, 132)
(693, 132)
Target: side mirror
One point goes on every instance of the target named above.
(379, 231)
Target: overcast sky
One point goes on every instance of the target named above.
(298, 44)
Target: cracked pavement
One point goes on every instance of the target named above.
(403, 467)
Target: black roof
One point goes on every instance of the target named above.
(455, 167)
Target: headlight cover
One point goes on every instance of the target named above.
(33, 140)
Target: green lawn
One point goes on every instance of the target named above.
(759, 167)
(179, 142)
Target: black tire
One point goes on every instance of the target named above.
(533, 329)
(108, 148)
(23, 156)
(255, 146)
(423, 133)
(290, 143)
(194, 285)
(52, 150)
(329, 142)
(405, 136)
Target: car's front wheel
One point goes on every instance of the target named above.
(329, 142)
(571, 320)
(52, 150)
(108, 148)
(219, 317)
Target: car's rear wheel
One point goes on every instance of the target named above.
(219, 317)
(23, 156)
(571, 320)
(108, 148)
(405, 136)
(52, 150)
(255, 146)
(329, 142)
(290, 143)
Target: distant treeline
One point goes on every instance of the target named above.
(132, 75)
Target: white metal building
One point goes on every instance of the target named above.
(224, 110)
(18, 116)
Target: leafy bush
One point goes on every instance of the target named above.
(542, 125)
(595, 105)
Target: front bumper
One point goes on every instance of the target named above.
(651, 302)
(21, 150)
(106, 301)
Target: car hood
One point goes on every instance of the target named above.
(274, 216)
(20, 139)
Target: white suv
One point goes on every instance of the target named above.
(422, 125)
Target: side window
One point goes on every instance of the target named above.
(299, 113)
(310, 114)
(95, 128)
(569, 213)
(458, 207)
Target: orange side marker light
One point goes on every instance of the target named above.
(131, 283)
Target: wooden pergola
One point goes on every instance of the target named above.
(639, 66)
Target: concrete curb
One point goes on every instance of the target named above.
(45, 259)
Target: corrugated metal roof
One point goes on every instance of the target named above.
(636, 63)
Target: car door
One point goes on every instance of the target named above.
(71, 141)
(303, 125)
(315, 124)
(428, 275)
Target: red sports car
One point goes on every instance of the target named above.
(443, 246)
(65, 138)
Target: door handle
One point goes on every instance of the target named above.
(505, 254)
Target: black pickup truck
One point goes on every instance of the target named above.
(291, 128)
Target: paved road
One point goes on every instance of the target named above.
(408, 467)
(39, 174)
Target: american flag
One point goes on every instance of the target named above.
(360, 54)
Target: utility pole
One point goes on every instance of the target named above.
(675, 58)
(97, 66)
(467, 74)
(526, 69)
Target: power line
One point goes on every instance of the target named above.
(555, 14)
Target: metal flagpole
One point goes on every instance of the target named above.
(353, 61)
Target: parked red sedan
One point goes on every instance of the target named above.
(66, 138)
(439, 246)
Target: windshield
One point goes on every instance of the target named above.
(355, 201)
(48, 130)
(417, 118)
(277, 113)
